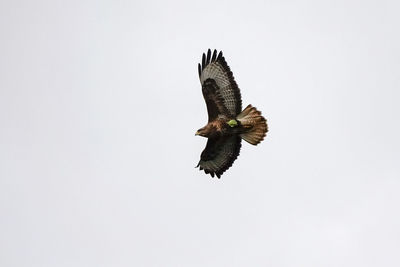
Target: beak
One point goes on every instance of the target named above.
(197, 133)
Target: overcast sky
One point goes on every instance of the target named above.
(100, 100)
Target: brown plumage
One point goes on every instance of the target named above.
(227, 123)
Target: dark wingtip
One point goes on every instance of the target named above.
(214, 56)
(208, 57)
(199, 69)
(220, 55)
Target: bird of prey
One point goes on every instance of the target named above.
(227, 123)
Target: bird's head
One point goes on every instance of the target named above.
(201, 132)
(207, 131)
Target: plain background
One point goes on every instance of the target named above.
(100, 100)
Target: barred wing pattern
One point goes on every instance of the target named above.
(219, 154)
(220, 91)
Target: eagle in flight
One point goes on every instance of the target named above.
(227, 123)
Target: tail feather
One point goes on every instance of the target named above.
(254, 125)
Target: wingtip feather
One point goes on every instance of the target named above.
(220, 55)
(199, 69)
(214, 56)
(208, 57)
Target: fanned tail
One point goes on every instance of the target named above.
(254, 125)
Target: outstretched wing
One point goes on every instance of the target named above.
(220, 91)
(219, 154)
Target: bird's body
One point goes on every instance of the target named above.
(227, 123)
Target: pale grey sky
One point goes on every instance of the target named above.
(99, 102)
